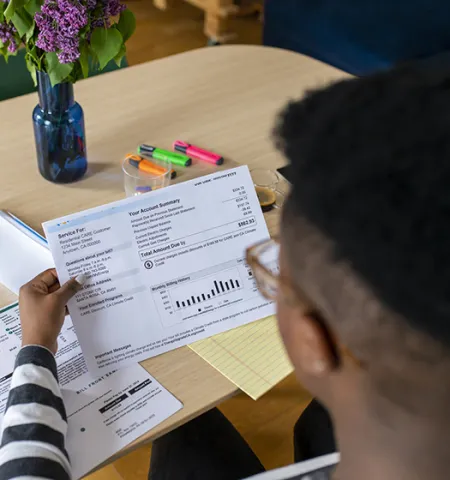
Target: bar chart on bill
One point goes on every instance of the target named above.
(204, 291)
(213, 286)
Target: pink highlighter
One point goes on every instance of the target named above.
(196, 152)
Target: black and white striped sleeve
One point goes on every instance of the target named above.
(34, 426)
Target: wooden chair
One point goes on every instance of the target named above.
(217, 15)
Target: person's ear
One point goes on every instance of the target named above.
(315, 352)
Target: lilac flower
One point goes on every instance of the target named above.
(51, 12)
(7, 32)
(99, 22)
(59, 24)
(7, 36)
(47, 34)
(12, 47)
(69, 49)
(113, 8)
(74, 17)
(103, 11)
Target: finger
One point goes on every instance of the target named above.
(54, 287)
(70, 288)
(45, 280)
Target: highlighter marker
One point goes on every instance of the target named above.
(197, 152)
(165, 155)
(147, 166)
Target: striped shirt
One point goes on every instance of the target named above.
(34, 425)
(34, 428)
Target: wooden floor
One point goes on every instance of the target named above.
(267, 424)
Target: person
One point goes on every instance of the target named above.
(362, 289)
(34, 424)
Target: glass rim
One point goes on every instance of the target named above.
(273, 184)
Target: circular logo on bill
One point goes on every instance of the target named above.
(148, 264)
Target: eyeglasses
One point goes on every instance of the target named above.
(262, 258)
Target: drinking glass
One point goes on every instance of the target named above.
(266, 184)
(138, 182)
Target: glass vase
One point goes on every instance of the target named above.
(58, 123)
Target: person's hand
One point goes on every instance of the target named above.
(42, 306)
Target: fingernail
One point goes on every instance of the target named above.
(81, 279)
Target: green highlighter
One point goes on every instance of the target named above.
(165, 155)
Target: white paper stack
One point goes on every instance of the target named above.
(23, 252)
(99, 424)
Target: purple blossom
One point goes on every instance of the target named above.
(8, 36)
(7, 32)
(69, 49)
(113, 8)
(60, 22)
(100, 22)
(74, 16)
(12, 47)
(106, 8)
(47, 34)
(51, 12)
(103, 10)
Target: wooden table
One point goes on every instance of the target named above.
(225, 99)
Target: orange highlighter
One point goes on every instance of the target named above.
(146, 166)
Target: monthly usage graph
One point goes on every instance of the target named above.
(204, 291)
(215, 287)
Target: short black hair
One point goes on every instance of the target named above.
(370, 166)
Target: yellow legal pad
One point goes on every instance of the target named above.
(252, 357)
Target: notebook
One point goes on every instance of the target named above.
(252, 357)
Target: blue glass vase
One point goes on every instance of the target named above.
(58, 123)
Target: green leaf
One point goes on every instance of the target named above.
(57, 71)
(31, 68)
(84, 60)
(22, 21)
(30, 32)
(4, 52)
(119, 57)
(106, 44)
(37, 55)
(12, 7)
(126, 24)
(33, 6)
(32, 52)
